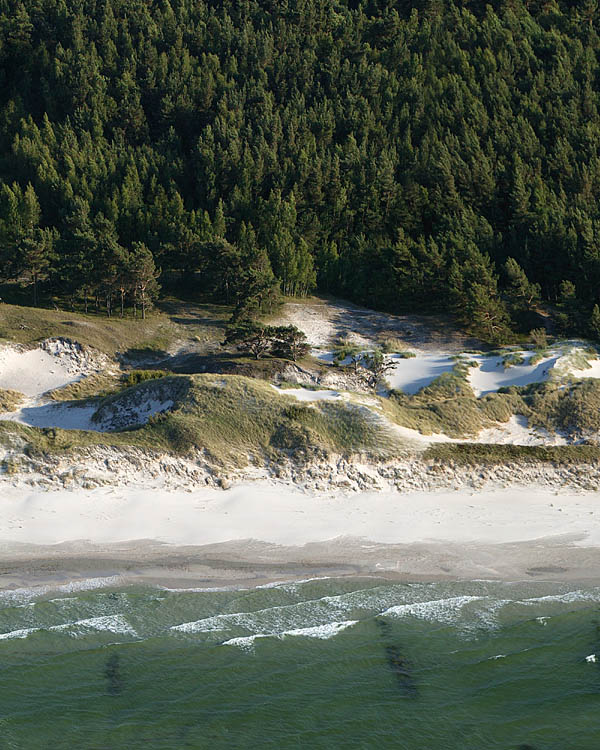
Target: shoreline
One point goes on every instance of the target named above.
(256, 534)
(247, 565)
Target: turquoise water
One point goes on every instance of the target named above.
(329, 663)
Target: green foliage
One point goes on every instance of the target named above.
(594, 324)
(376, 367)
(523, 295)
(538, 338)
(251, 337)
(345, 348)
(288, 342)
(512, 359)
(133, 377)
(410, 157)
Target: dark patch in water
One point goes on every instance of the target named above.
(395, 660)
(112, 672)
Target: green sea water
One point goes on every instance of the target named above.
(324, 663)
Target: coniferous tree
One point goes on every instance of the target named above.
(144, 275)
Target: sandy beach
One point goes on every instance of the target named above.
(264, 531)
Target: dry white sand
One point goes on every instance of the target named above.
(492, 375)
(33, 372)
(280, 514)
(412, 374)
(517, 432)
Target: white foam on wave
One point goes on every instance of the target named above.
(245, 642)
(291, 584)
(313, 612)
(23, 633)
(79, 628)
(569, 597)
(591, 659)
(253, 620)
(86, 584)
(323, 632)
(437, 610)
(479, 608)
(109, 623)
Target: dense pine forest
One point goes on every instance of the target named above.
(425, 156)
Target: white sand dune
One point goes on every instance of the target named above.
(61, 415)
(54, 364)
(307, 394)
(33, 372)
(593, 371)
(410, 375)
(517, 432)
(491, 374)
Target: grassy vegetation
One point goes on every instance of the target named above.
(477, 454)
(448, 405)
(393, 345)
(98, 385)
(344, 349)
(229, 417)
(10, 400)
(134, 377)
(175, 321)
(573, 410)
(538, 356)
(512, 359)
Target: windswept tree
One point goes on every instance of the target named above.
(289, 342)
(376, 367)
(250, 336)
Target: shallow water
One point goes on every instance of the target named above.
(325, 663)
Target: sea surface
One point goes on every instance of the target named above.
(322, 663)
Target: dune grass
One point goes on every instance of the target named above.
(93, 386)
(28, 325)
(448, 405)
(231, 418)
(478, 454)
(10, 400)
(202, 324)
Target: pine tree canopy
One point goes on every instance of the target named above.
(425, 156)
